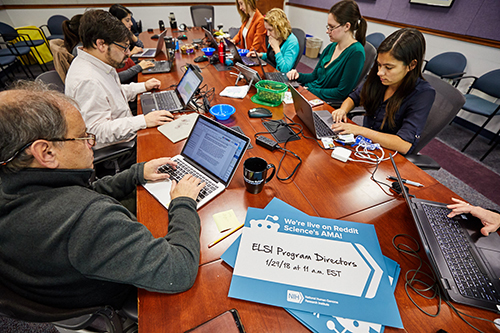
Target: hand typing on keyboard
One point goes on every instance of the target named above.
(490, 220)
(188, 186)
(152, 172)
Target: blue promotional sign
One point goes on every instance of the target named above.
(331, 267)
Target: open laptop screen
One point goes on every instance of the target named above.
(188, 85)
(215, 147)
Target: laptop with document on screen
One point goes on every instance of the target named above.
(212, 152)
(318, 122)
(467, 264)
(173, 100)
(152, 52)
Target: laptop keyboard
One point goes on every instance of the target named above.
(322, 129)
(278, 77)
(183, 169)
(167, 101)
(471, 282)
(149, 53)
(248, 61)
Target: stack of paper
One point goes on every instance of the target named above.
(329, 274)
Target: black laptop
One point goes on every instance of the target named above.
(248, 61)
(173, 100)
(467, 264)
(277, 76)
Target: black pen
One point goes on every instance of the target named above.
(409, 182)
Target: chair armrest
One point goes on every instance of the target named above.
(458, 79)
(453, 75)
(111, 152)
(334, 104)
(424, 162)
(353, 113)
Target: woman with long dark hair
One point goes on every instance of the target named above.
(70, 32)
(395, 96)
(341, 62)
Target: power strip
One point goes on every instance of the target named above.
(267, 143)
(341, 153)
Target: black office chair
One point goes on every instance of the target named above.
(370, 55)
(489, 84)
(301, 37)
(375, 39)
(201, 13)
(447, 65)
(54, 25)
(447, 104)
(113, 153)
(17, 307)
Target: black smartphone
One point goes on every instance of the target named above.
(227, 322)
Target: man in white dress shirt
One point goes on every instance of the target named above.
(93, 82)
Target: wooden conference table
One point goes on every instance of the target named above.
(322, 187)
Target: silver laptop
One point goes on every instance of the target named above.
(212, 152)
(173, 100)
(152, 52)
(210, 39)
(161, 66)
(319, 122)
(467, 264)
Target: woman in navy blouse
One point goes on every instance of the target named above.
(395, 96)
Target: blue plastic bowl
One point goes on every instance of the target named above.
(208, 51)
(222, 111)
(243, 52)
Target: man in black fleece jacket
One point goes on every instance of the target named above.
(66, 241)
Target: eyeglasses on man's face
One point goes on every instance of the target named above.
(125, 48)
(90, 138)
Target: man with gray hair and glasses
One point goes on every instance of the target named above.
(66, 241)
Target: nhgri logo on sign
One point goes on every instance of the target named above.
(294, 296)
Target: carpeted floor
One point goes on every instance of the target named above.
(477, 182)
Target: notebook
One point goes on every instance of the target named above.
(162, 66)
(467, 264)
(237, 58)
(277, 76)
(173, 100)
(212, 152)
(152, 52)
(318, 122)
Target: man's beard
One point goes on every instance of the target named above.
(112, 62)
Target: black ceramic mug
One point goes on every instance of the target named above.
(255, 173)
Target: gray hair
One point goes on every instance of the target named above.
(31, 112)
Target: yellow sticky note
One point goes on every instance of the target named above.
(226, 220)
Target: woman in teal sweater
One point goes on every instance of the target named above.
(283, 48)
(341, 62)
